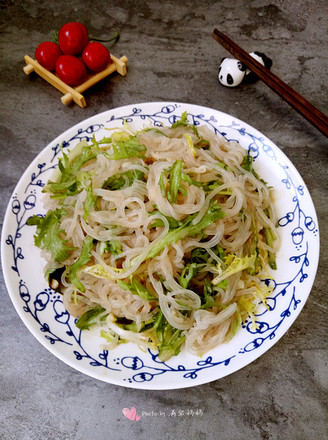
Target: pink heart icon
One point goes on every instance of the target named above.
(131, 414)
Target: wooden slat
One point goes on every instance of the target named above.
(75, 94)
(55, 81)
(116, 65)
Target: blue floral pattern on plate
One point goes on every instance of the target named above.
(42, 309)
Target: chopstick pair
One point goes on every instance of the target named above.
(298, 102)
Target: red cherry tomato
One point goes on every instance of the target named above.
(84, 32)
(96, 56)
(47, 54)
(71, 70)
(72, 38)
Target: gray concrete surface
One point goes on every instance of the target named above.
(283, 394)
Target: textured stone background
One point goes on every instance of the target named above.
(283, 394)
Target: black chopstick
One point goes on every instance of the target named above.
(298, 102)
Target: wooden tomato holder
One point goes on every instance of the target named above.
(75, 93)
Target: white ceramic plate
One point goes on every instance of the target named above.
(42, 310)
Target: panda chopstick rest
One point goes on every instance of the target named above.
(233, 72)
(294, 99)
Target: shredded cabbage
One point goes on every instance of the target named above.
(234, 265)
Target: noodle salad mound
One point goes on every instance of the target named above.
(160, 237)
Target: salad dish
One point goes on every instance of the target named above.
(160, 245)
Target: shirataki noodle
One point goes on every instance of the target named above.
(181, 234)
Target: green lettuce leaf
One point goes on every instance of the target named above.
(136, 288)
(247, 164)
(110, 336)
(125, 148)
(213, 213)
(175, 181)
(83, 259)
(169, 338)
(257, 263)
(183, 122)
(91, 317)
(68, 181)
(128, 324)
(173, 223)
(270, 237)
(122, 180)
(49, 235)
(175, 178)
(208, 300)
(90, 201)
(187, 274)
(113, 246)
